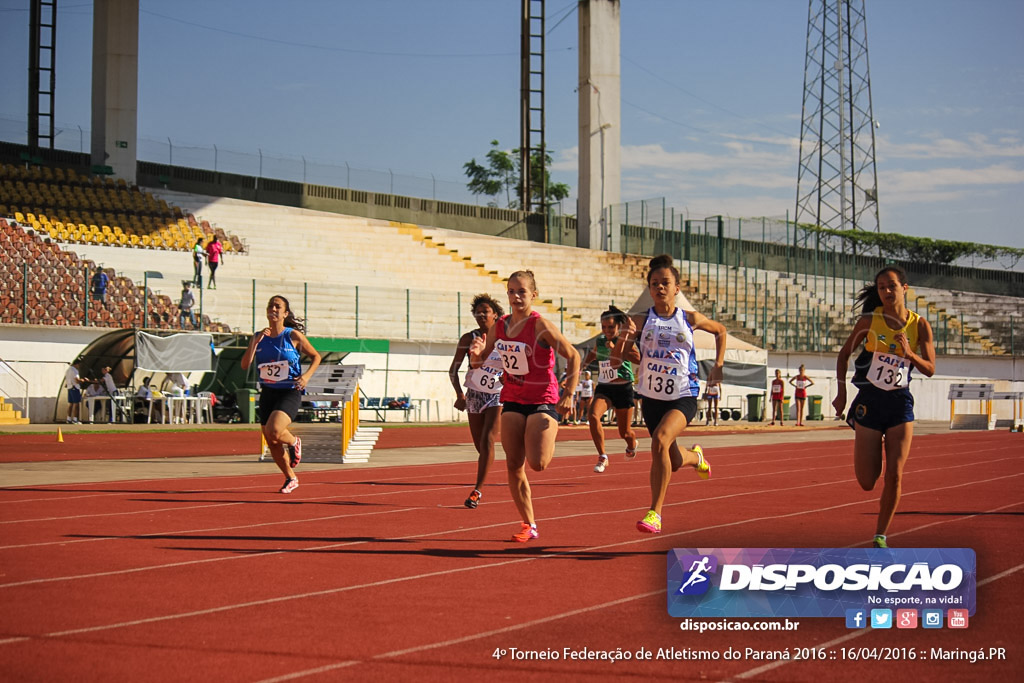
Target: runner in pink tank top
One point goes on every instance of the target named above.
(531, 409)
(539, 384)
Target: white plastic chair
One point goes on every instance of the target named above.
(205, 407)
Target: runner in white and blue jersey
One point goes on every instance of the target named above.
(668, 379)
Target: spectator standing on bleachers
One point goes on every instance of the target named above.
(778, 396)
(801, 382)
(531, 406)
(896, 340)
(188, 300)
(668, 379)
(213, 255)
(72, 382)
(482, 398)
(198, 255)
(277, 351)
(100, 280)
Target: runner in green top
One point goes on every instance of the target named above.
(614, 385)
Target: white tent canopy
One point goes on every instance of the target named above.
(182, 353)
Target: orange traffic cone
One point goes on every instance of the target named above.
(60, 436)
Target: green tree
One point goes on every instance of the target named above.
(502, 174)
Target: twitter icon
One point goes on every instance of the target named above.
(881, 618)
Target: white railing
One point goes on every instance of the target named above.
(14, 387)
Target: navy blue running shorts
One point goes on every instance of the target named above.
(880, 410)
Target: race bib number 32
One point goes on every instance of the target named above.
(513, 356)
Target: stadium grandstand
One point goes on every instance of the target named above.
(395, 276)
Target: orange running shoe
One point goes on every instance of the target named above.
(474, 499)
(528, 532)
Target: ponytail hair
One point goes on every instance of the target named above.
(525, 275)
(289, 318)
(868, 298)
(662, 261)
(615, 314)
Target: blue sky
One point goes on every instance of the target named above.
(711, 95)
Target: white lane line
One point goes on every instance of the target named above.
(269, 553)
(450, 572)
(547, 482)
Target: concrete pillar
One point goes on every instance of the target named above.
(600, 172)
(115, 85)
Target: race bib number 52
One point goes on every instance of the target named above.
(274, 372)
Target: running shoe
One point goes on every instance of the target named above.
(290, 485)
(630, 452)
(474, 499)
(526, 533)
(295, 452)
(602, 462)
(703, 467)
(879, 542)
(650, 524)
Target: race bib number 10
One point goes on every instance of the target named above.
(889, 372)
(606, 373)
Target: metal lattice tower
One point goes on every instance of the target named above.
(837, 184)
(42, 74)
(531, 107)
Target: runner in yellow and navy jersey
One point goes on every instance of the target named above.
(896, 342)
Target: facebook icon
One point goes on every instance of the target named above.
(856, 618)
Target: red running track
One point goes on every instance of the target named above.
(381, 574)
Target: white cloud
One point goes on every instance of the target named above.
(975, 146)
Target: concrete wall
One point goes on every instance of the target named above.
(420, 370)
(41, 355)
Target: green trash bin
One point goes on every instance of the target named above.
(246, 399)
(755, 406)
(814, 408)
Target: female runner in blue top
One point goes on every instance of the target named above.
(276, 351)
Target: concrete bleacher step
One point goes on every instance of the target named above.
(10, 416)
